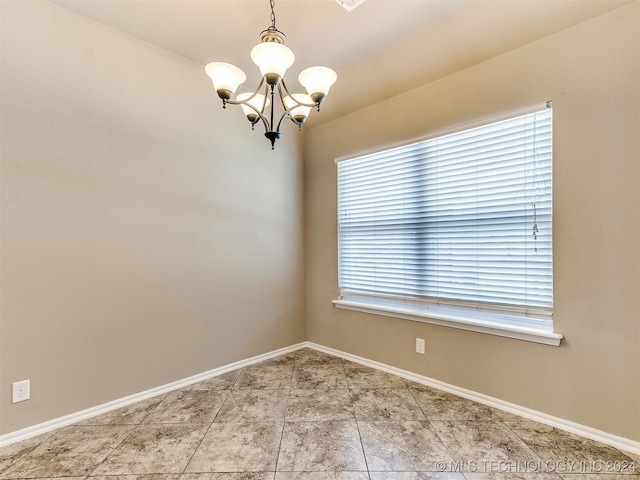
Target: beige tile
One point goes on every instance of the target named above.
(286, 359)
(221, 382)
(304, 405)
(63, 478)
(309, 377)
(599, 476)
(321, 446)
(633, 456)
(228, 476)
(132, 414)
(508, 416)
(308, 356)
(416, 476)
(154, 449)
(190, 476)
(483, 441)
(439, 405)
(385, 404)
(319, 405)
(359, 376)
(72, 451)
(159, 476)
(414, 385)
(253, 406)
(194, 406)
(238, 447)
(511, 476)
(14, 452)
(507, 469)
(552, 445)
(322, 476)
(270, 377)
(402, 446)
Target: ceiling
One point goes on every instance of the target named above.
(380, 49)
(318, 31)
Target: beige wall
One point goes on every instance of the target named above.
(591, 72)
(147, 234)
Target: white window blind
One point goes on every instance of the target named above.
(460, 220)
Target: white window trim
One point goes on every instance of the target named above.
(455, 318)
(492, 323)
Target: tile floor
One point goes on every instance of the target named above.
(308, 415)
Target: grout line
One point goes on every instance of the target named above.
(284, 419)
(355, 418)
(134, 429)
(211, 424)
(526, 444)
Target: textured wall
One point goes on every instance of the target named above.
(591, 72)
(147, 234)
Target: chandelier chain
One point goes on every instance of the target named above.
(273, 16)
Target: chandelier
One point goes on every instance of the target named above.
(273, 59)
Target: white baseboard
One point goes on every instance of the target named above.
(60, 422)
(582, 430)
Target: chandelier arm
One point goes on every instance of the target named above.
(265, 122)
(260, 113)
(282, 96)
(287, 111)
(299, 104)
(264, 119)
(246, 101)
(286, 115)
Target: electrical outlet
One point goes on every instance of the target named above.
(21, 391)
(420, 345)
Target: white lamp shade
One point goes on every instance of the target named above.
(225, 77)
(257, 101)
(272, 58)
(317, 81)
(299, 113)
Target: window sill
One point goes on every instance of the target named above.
(450, 318)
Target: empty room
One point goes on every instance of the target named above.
(320, 239)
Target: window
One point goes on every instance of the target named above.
(454, 230)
